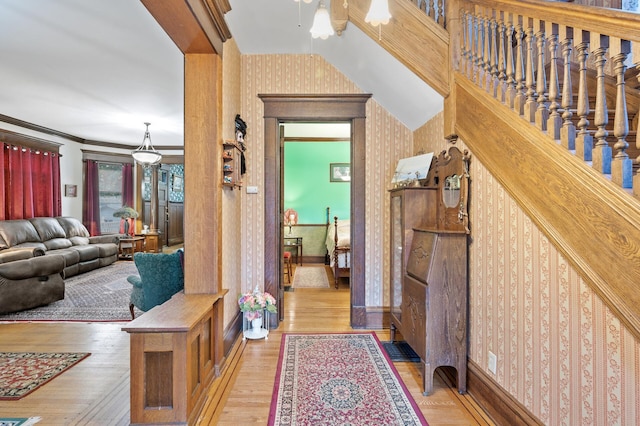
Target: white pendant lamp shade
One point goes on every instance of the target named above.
(378, 13)
(321, 23)
(146, 154)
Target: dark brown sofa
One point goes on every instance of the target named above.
(29, 279)
(25, 248)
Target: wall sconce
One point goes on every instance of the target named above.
(146, 155)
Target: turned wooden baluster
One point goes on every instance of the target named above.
(542, 113)
(601, 150)
(440, 20)
(492, 87)
(463, 43)
(510, 94)
(584, 140)
(621, 166)
(568, 131)
(486, 56)
(554, 122)
(520, 97)
(432, 11)
(470, 46)
(502, 66)
(636, 177)
(530, 106)
(477, 68)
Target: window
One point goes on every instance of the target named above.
(110, 195)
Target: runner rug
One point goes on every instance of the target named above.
(94, 296)
(339, 379)
(310, 277)
(23, 372)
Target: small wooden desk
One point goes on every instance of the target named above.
(294, 243)
(130, 245)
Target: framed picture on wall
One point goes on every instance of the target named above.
(70, 190)
(177, 183)
(339, 172)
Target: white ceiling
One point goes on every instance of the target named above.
(98, 69)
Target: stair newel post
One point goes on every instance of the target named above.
(584, 140)
(530, 106)
(601, 150)
(568, 131)
(519, 100)
(510, 95)
(621, 166)
(554, 122)
(542, 113)
(502, 66)
(492, 87)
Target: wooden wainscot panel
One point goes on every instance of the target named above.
(174, 357)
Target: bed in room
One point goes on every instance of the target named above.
(339, 246)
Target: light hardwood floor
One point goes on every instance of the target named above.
(96, 391)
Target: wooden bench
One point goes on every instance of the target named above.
(176, 352)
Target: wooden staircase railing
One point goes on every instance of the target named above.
(548, 104)
(558, 67)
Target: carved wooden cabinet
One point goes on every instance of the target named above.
(429, 285)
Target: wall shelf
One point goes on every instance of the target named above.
(231, 157)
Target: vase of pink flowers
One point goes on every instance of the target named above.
(254, 304)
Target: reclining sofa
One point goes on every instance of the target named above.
(37, 254)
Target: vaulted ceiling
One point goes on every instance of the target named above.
(98, 69)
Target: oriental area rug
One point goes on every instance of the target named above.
(23, 372)
(339, 379)
(96, 296)
(310, 277)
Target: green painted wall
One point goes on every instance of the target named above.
(306, 180)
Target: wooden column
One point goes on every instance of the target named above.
(202, 151)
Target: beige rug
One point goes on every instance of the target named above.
(310, 277)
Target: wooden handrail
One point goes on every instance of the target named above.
(613, 22)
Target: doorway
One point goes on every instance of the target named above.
(312, 195)
(314, 108)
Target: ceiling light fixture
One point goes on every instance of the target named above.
(146, 155)
(321, 23)
(378, 13)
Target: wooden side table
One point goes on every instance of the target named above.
(129, 246)
(294, 243)
(151, 242)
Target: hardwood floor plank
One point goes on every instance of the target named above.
(96, 391)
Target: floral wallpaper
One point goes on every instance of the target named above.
(561, 352)
(232, 200)
(388, 140)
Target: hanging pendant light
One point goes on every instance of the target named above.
(378, 13)
(146, 155)
(321, 23)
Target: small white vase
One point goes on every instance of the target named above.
(256, 324)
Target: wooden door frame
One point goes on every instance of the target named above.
(280, 108)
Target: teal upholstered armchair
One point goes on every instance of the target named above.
(161, 276)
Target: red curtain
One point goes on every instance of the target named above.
(91, 198)
(127, 185)
(30, 183)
